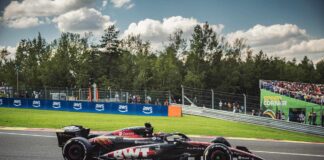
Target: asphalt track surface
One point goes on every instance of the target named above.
(36, 145)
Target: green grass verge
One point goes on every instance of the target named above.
(193, 125)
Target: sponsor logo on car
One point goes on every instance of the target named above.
(17, 102)
(1, 102)
(131, 153)
(56, 104)
(147, 110)
(77, 106)
(36, 104)
(100, 107)
(123, 108)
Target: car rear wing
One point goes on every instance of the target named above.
(71, 132)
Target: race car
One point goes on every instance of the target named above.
(78, 131)
(139, 145)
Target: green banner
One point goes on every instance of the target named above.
(276, 102)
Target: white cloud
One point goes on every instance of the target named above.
(23, 22)
(158, 31)
(287, 40)
(130, 6)
(82, 20)
(30, 13)
(104, 3)
(122, 3)
(261, 35)
(31, 10)
(311, 46)
(37, 8)
(11, 50)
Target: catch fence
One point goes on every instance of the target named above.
(90, 94)
(238, 103)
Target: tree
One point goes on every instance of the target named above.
(320, 71)
(7, 69)
(109, 57)
(307, 71)
(202, 46)
(30, 56)
(168, 68)
(63, 67)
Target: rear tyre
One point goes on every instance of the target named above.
(217, 152)
(76, 149)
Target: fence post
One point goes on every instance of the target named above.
(169, 97)
(321, 115)
(145, 96)
(212, 91)
(67, 93)
(244, 103)
(45, 96)
(17, 72)
(80, 94)
(109, 95)
(182, 93)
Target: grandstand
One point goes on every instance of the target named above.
(293, 101)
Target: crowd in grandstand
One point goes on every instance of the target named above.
(304, 91)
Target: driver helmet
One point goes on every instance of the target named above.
(148, 129)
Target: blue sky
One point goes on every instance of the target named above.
(285, 28)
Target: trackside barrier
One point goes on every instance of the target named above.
(174, 110)
(279, 124)
(85, 106)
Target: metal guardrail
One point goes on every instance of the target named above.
(279, 124)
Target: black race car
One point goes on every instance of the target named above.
(140, 143)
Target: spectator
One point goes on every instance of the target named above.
(259, 113)
(134, 99)
(314, 118)
(253, 112)
(283, 116)
(148, 100)
(195, 101)
(234, 109)
(166, 102)
(313, 93)
(26, 94)
(322, 119)
(301, 117)
(138, 99)
(229, 106)
(310, 118)
(157, 102)
(117, 97)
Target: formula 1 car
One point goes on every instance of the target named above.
(139, 143)
(78, 131)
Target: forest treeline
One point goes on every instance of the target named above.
(206, 60)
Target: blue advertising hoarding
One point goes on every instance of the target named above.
(84, 106)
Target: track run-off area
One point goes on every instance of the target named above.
(41, 145)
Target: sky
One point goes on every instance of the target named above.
(283, 28)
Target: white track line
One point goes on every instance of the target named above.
(33, 135)
(292, 154)
(269, 152)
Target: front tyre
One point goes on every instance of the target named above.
(76, 149)
(217, 151)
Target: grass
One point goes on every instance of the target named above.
(193, 125)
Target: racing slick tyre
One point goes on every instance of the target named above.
(76, 149)
(221, 140)
(217, 151)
